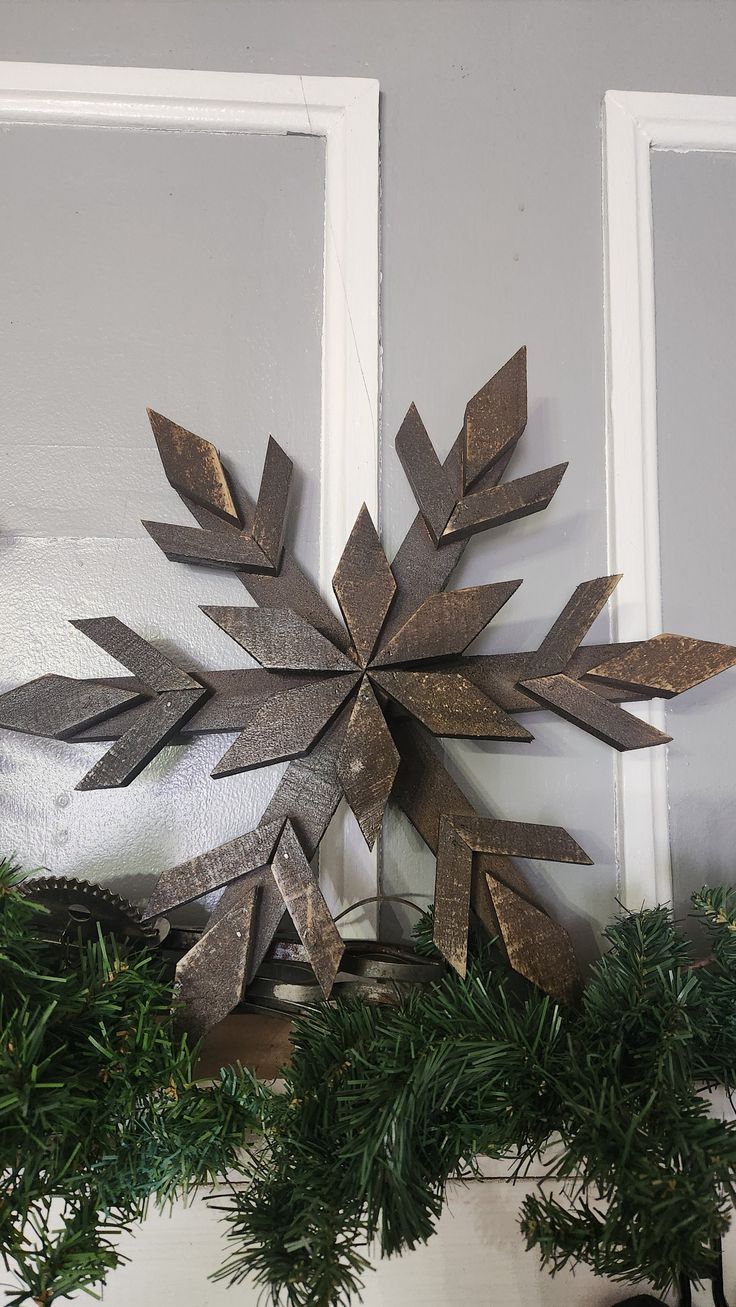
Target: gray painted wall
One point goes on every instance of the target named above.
(491, 237)
(694, 202)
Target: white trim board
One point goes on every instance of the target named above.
(634, 124)
(344, 111)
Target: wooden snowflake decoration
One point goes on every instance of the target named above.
(352, 706)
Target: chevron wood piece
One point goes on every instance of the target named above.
(133, 751)
(666, 665)
(364, 585)
(280, 639)
(148, 664)
(269, 520)
(190, 544)
(584, 708)
(495, 419)
(368, 763)
(60, 706)
(452, 892)
(210, 978)
(520, 839)
(448, 704)
(574, 622)
(192, 466)
(431, 485)
(504, 503)
(210, 871)
(287, 725)
(535, 945)
(445, 624)
(307, 908)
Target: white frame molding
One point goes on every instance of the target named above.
(343, 110)
(634, 124)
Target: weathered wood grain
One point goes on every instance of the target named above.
(431, 485)
(445, 624)
(287, 724)
(190, 544)
(60, 706)
(535, 945)
(452, 896)
(520, 839)
(192, 466)
(269, 519)
(280, 639)
(666, 665)
(504, 503)
(134, 750)
(368, 763)
(495, 419)
(364, 585)
(575, 621)
(307, 908)
(584, 708)
(210, 978)
(448, 704)
(148, 664)
(210, 871)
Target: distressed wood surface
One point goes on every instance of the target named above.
(446, 623)
(209, 871)
(287, 724)
(368, 763)
(495, 419)
(210, 978)
(192, 466)
(364, 585)
(307, 908)
(452, 889)
(269, 519)
(191, 544)
(504, 503)
(432, 488)
(60, 706)
(520, 839)
(280, 639)
(574, 622)
(667, 664)
(449, 704)
(584, 708)
(146, 663)
(129, 755)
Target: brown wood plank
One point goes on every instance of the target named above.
(452, 896)
(307, 908)
(504, 503)
(134, 750)
(448, 704)
(287, 724)
(210, 871)
(519, 839)
(261, 1041)
(575, 621)
(364, 585)
(269, 519)
(666, 665)
(210, 978)
(431, 485)
(446, 623)
(192, 466)
(191, 544)
(148, 664)
(280, 639)
(536, 945)
(368, 763)
(60, 706)
(584, 708)
(495, 419)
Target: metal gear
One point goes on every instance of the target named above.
(80, 905)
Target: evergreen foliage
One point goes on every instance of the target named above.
(98, 1109)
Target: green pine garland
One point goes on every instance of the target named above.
(380, 1109)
